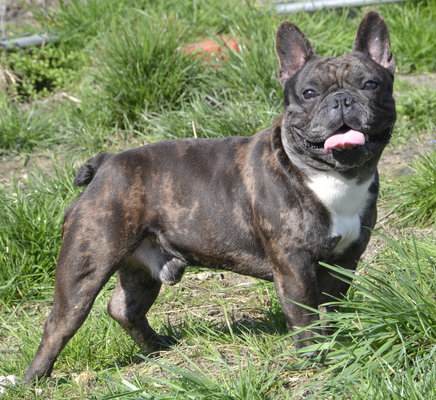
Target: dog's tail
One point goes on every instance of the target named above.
(87, 172)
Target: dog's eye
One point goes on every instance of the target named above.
(309, 94)
(370, 85)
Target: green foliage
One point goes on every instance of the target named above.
(247, 381)
(79, 22)
(39, 71)
(413, 42)
(385, 331)
(230, 118)
(142, 69)
(30, 230)
(22, 130)
(416, 200)
(414, 107)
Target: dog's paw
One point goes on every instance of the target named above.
(161, 342)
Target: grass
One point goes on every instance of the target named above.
(32, 215)
(145, 50)
(119, 78)
(416, 202)
(22, 130)
(385, 331)
(383, 345)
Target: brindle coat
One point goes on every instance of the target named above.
(243, 204)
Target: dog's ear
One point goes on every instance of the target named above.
(293, 50)
(372, 39)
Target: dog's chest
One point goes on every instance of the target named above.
(346, 201)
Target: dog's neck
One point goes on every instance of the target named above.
(345, 197)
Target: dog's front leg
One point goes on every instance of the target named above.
(296, 283)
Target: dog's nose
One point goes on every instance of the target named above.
(341, 99)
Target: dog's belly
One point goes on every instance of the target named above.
(168, 266)
(346, 201)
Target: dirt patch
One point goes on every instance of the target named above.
(428, 80)
(21, 14)
(18, 167)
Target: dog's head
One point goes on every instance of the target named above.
(339, 111)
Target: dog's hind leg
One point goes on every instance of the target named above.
(90, 254)
(75, 291)
(134, 294)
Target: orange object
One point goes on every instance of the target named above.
(209, 49)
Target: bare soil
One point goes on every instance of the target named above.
(18, 15)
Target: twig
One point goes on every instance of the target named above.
(193, 129)
(388, 214)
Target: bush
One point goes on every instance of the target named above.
(415, 192)
(385, 330)
(39, 70)
(30, 232)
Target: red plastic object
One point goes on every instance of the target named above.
(212, 49)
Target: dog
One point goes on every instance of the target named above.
(272, 206)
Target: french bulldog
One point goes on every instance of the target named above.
(272, 206)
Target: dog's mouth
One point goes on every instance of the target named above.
(345, 139)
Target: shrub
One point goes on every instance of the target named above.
(39, 70)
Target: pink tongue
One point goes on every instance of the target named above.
(345, 141)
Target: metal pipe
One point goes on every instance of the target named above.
(24, 41)
(28, 41)
(2, 19)
(316, 5)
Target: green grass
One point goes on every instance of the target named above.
(146, 50)
(119, 78)
(412, 45)
(385, 331)
(32, 214)
(23, 129)
(416, 201)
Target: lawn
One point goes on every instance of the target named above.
(119, 77)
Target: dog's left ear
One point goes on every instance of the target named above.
(372, 38)
(293, 50)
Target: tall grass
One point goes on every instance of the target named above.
(241, 382)
(135, 85)
(384, 339)
(142, 69)
(412, 46)
(30, 230)
(23, 130)
(416, 199)
(230, 118)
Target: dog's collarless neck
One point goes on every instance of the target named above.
(287, 164)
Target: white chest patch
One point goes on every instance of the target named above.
(346, 200)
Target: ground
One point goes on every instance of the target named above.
(21, 13)
(239, 300)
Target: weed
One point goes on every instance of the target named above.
(385, 331)
(39, 71)
(416, 200)
(30, 230)
(124, 65)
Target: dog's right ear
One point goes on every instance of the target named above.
(293, 50)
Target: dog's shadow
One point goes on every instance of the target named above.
(271, 323)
